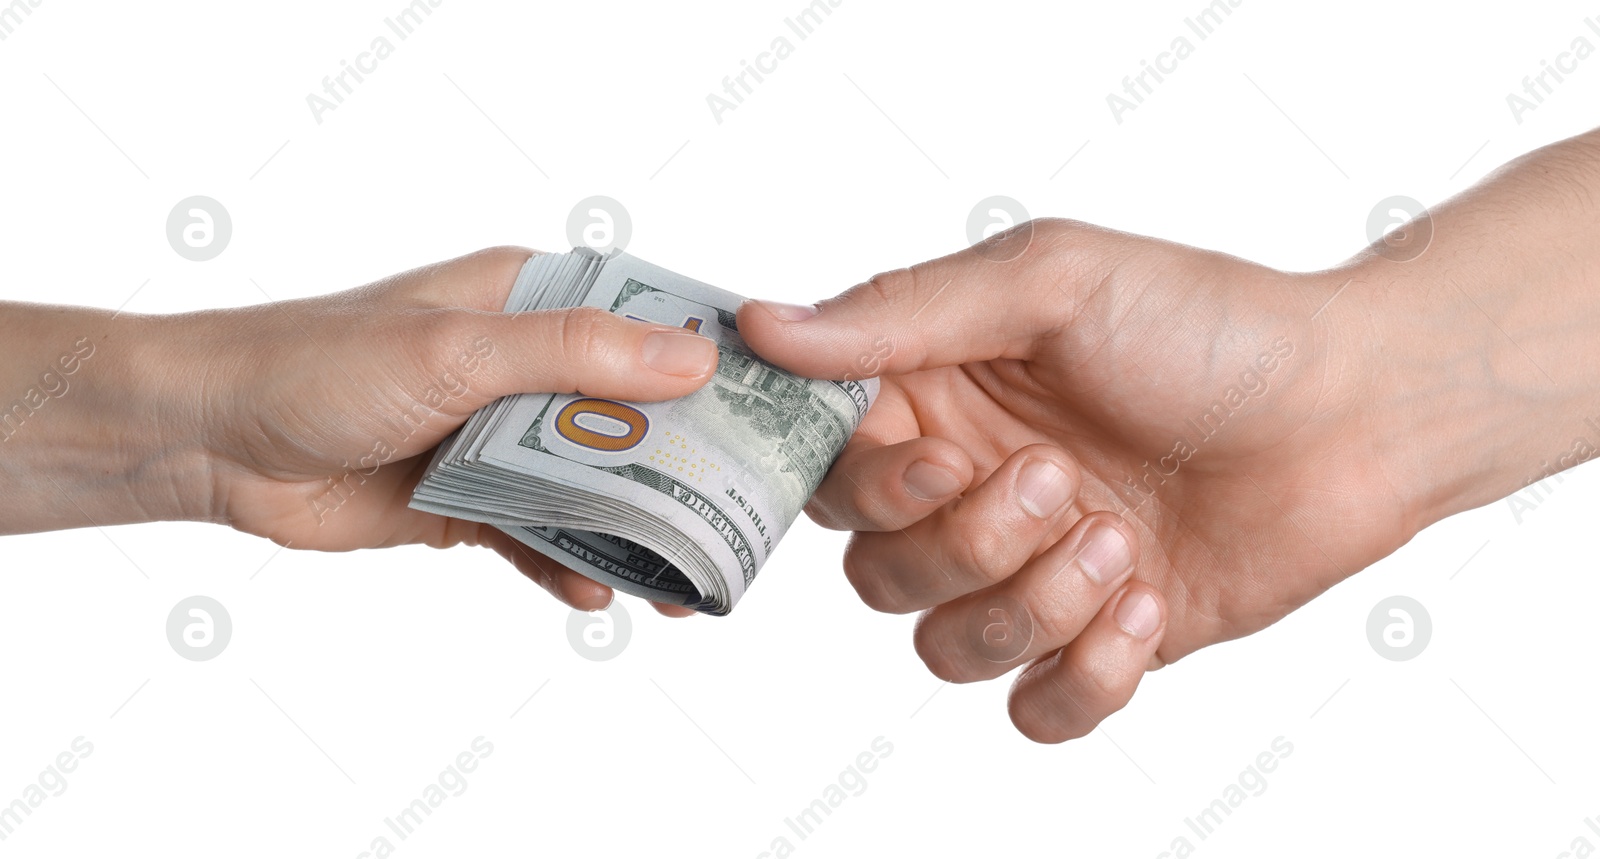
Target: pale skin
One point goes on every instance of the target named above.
(1021, 452)
(1020, 397)
(308, 422)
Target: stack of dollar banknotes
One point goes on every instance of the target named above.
(680, 502)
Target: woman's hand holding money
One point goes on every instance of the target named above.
(308, 422)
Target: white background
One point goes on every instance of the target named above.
(1272, 141)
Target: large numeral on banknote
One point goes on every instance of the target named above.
(603, 425)
(613, 427)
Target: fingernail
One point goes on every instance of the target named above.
(789, 312)
(679, 354)
(928, 482)
(1138, 615)
(1104, 556)
(1043, 488)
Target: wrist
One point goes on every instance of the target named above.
(1480, 346)
(176, 388)
(1482, 380)
(117, 440)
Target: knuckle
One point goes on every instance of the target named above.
(1032, 718)
(933, 644)
(445, 334)
(821, 512)
(872, 587)
(868, 508)
(1064, 698)
(885, 290)
(1053, 227)
(1080, 260)
(939, 664)
(982, 553)
(502, 262)
(581, 333)
(1053, 237)
(872, 594)
(1025, 247)
(1052, 621)
(891, 286)
(873, 307)
(1101, 685)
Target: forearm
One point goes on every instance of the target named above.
(1488, 343)
(98, 424)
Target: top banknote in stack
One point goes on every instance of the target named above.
(680, 502)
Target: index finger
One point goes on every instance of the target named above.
(879, 487)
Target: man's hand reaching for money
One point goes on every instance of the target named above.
(1020, 479)
(1094, 453)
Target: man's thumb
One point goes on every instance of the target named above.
(968, 306)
